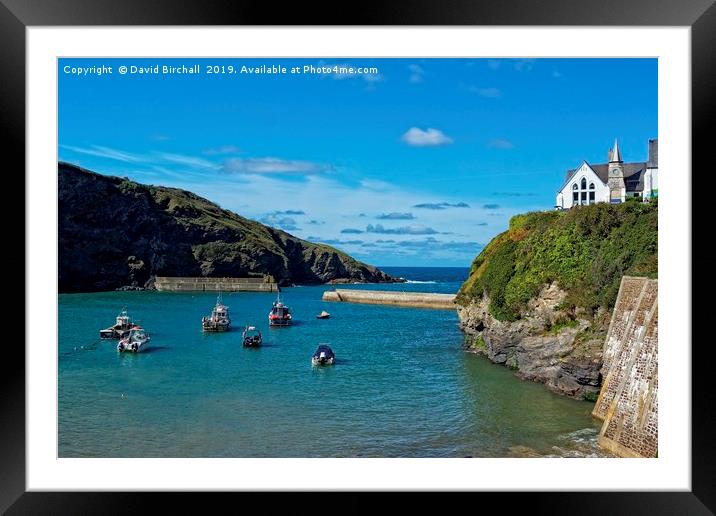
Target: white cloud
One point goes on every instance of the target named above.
(376, 185)
(416, 74)
(416, 137)
(489, 93)
(413, 229)
(108, 153)
(394, 215)
(276, 219)
(224, 149)
(273, 165)
(500, 143)
(191, 161)
(524, 65)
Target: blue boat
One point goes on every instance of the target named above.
(323, 356)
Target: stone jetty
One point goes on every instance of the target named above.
(186, 284)
(395, 298)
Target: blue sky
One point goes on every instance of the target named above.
(420, 163)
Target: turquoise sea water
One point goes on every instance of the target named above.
(402, 385)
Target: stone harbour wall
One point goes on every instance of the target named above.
(628, 400)
(396, 298)
(177, 284)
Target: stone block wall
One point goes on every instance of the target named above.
(396, 298)
(628, 401)
(252, 284)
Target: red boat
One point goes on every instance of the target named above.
(280, 314)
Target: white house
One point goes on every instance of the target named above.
(611, 182)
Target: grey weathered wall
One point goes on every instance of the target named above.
(628, 401)
(386, 297)
(172, 284)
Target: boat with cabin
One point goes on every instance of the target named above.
(119, 329)
(323, 356)
(251, 337)
(280, 314)
(136, 340)
(219, 319)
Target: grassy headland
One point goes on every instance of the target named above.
(585, 250)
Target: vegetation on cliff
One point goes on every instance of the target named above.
(114, 232)
(585, 250)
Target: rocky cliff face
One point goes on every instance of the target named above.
(116, 233)
(542, 345)
(539, 296)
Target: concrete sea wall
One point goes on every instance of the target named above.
(385, 297)
(628, 401)
(175, 284)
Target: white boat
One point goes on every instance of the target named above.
(136, 341)
(119, 329)
(219, 319)
(280, 314)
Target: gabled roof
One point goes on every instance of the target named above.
(570, 175)
(633, 175)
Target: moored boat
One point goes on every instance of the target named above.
(219, 319)
(136, 340)
(251, 337)
(323, 315)
(119, 329)
(280, 314)
(323, 356)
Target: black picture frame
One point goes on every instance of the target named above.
(700, 15)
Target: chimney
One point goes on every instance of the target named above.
(653, 154)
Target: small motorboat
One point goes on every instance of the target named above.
(219, 319)
(323, 356)
(136, 341)
(280, 314)
(323, 315)
(252, 337)
(120, 329)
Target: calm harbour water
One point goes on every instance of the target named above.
(402, 385)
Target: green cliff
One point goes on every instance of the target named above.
(539, 296)
(585, 251)
(115, 233)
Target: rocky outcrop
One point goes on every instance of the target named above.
(539, 296)
(559, 348)
(116, 233)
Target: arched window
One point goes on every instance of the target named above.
(584, 183)
(574, 186)
(591, 186)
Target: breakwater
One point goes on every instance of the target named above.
(395, 298)
(628, 401)
(250, 284)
